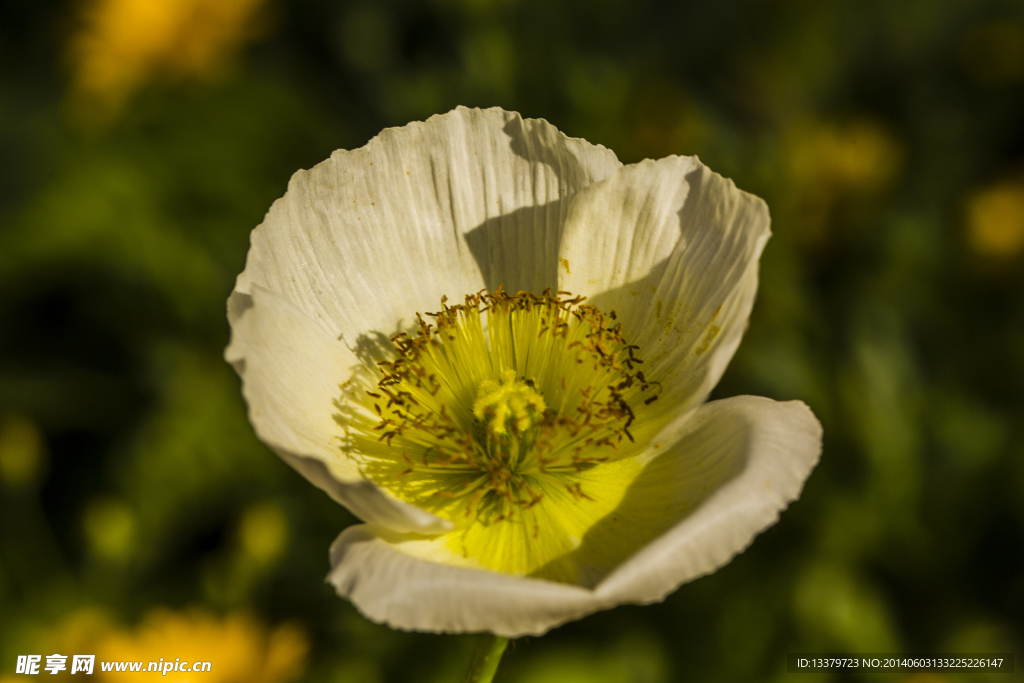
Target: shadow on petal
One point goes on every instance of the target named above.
(519, 249)
(670, 488)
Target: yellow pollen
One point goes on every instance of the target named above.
(509, 402)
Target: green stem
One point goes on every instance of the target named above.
(486, 659)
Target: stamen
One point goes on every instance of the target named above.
(509, 394)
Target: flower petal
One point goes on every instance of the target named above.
(673, 248)
(773, 447)
(292, 372)
(752, 456)
(405, 592)
(468, 199)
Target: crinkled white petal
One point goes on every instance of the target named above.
(405, 592)
(773, 446)
(292, 372)
(673, 248)
(767, 448)
(469, 199)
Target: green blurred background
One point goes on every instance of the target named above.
(142, 140)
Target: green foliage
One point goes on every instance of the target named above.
(868, 126)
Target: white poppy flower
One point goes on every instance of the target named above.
(521, 456)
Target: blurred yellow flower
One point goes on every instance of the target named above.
(77, 634)
(995, 220)
(239, 647)
(829, 161)
(123, 43)
(857, 156)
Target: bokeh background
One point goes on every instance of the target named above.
(142, 140)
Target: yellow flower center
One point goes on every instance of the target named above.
(497, 416)
(508, 405)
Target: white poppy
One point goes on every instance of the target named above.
(538, 447)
